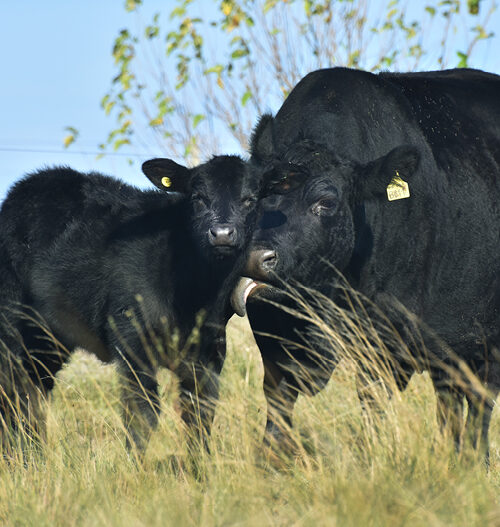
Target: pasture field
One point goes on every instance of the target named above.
(392, 470)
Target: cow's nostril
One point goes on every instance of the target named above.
(261, 263)
(268, 260)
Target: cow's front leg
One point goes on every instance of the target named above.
(481, 404)
(478, 422)
(450, 406)
(370, 386)
(280, 397)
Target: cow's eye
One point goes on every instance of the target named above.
(249, 201)
(323, 206)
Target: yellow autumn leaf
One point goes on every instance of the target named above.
(68, 140)
(156, 122)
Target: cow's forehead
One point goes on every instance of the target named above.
(306, 152)
(314, 160)
(317, 177)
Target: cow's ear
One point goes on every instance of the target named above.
(168, 175)
(261, 142)
(374, 178)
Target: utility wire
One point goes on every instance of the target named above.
(71, 152)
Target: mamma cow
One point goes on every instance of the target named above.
(338, 149)
(141, 278)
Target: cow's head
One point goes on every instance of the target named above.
(308, 226)
(222, 195)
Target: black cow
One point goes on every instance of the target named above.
(137, 277)
(430, 261)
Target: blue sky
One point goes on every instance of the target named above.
(56, 66)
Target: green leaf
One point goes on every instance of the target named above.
(481, 33)
(132, 5)
(157, 121)
(226, 8)
(431, 10)
(119, 143)
(473, 6)
(246, 97)
(108, 107)
(270, 4)
(152, 31)
(197, 119)
(238, 53)
(219, 68)
(177, 12)
(463, 60)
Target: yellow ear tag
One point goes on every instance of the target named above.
(397, 188)
(166, 181)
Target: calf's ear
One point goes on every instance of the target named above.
(374, 177)
(168, 175)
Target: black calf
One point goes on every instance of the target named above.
(137, 277)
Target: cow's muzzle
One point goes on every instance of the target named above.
(258, 270)
(261, 264)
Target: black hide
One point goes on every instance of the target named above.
(137, 277)
(434, 256)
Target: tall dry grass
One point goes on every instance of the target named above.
(392, 467)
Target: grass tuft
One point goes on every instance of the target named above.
(392, 468)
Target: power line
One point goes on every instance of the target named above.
(71, 152)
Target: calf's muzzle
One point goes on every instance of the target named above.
(222, 235)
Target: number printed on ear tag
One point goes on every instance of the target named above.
(397, 188)
(166, 181)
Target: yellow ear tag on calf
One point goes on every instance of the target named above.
(398, 188)
(166, 181)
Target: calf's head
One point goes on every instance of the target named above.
(221, 197)
(307, 222)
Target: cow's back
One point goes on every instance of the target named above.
(458, 112)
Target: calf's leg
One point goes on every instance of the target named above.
(141, 405)
(199, 391)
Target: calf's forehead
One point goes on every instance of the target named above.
(225, 174)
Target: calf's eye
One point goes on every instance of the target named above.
(199, 201)
(324, 205)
